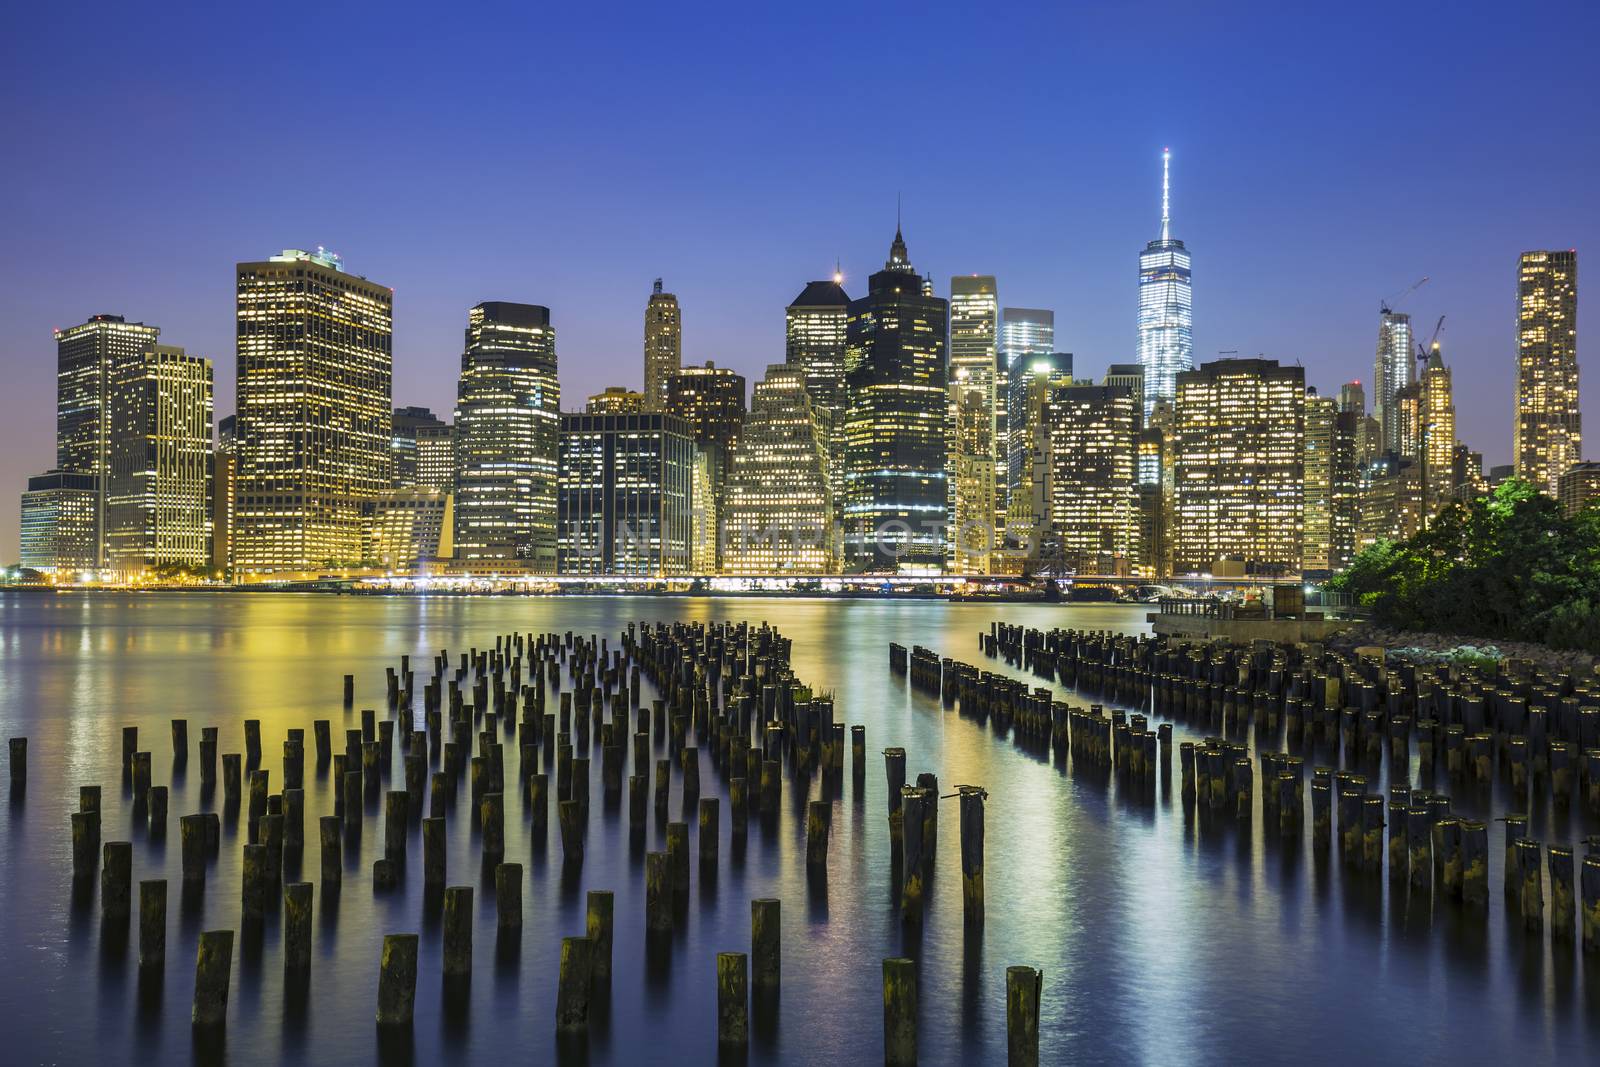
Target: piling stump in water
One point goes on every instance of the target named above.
(766, 942)
(597, 925)
(1561, 892)
(152, 923)
(571, 831)
(972, 798)
(116, 880)
(492, 819)
(85, 843)
(733, 999)
(433, 851)
(332, 850)
(911, 802)
(458, 931)
(397, 980)
(678, 857)
(297, 927)
(657, 893)
(19, 763)
(1474, 864)
(231, 777)
(819, 819)
(1023, 987)
(1590, 905)
(253, 882)
(899, 1013)
(1530, 879)
(212, 967)
(508, 895)
(573, 985)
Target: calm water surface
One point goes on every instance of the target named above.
(1158, 943)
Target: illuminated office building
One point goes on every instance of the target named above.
(663, 345)
(60, 529)
(507, 429)
(1166, 317)
(436, 458)
(409, 527)
(972, 426)
(158, 486)
(1030, 383)
(1391, 372)
(1024, 332)
(1580, 486)
(777, 512)
(1549, 430)
(710, 400)
(896, 492)
(1152, 504)
(814, 339)
(1238, 468)
(1332, 486)
(1129, 376)
(315, 379)
(614, 400)
(1091, 434)
(224, 476)
(1391, 500)
(1436, 432)
(408, 423)
(626, 500)
(85, 355)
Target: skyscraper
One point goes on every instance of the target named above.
(896, 492)
(85, 355)
(710, 401)
(814, 339)
(1091, 433)
(224, 479)
(1549, 430)
(1391, 372)
(60, 530)
(1436, 433)
(1023, 332)
(1239, 463)
(436, 458)
(158, 487)
(974, 359)
(1331, 484)
(1032, 382)
(614, 400)
(626, 503)
(507, 426)
(315, 376)
(408, 423)
(663, 345)
(1166, 319)
(777, 514)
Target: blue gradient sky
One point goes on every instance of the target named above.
(560, 156)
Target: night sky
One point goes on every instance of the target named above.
(569, 154)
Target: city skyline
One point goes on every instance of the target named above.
(587, 237)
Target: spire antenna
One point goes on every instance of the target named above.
(1166, 194)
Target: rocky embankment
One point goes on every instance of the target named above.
(1431, 648)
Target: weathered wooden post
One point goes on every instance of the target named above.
(332, 851)
(1562, 897)
(458, 931)
(508, 895)
(972, 798)
(152, 923)
(19, 764)
(657, 893)
(212, 967)
(819, 821)
(899, 1013)
(397, 980)
(771, 786)
(573, 986)
(597, 925)
(433, 852)
(116, 880)
(231, 777)
(858, 753)
(1447, 854)
(539, 804)
(710, 831)
(911, 803)
(571, 832)
(253, 883)
(492, 818)
(297, 928)
(766, 936)
(252, 742)
(1023, 988)
(1474, 864)
(157, 812)
(1590, 906)
(678, 858)
(733, 1000)
(1530, 878)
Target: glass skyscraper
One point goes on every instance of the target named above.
(1549, 430)
(1391, 372)
(1166, 321)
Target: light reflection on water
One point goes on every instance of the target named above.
(1158, 944)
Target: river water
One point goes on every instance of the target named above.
(1159, 943)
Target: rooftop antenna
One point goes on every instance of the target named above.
(1166, 194)
(658, 286)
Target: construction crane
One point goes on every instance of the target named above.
(1386, 304)
(1426, 350)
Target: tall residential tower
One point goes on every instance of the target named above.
(663, 345)
(1549, 431)
(1166, 321)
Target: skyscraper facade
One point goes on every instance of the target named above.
(1166, 317)
(895, 486)
(85, 356)
(158, 487)
(224, 479)
(507, 427)
(436, 458)
(1391, 372)
(1331, 485)
(1091, 433)
(1549, 429)
(814, 339)
(60, 529)
(1239, 463)
(315, 376)
(626, 502)
(408, 423)
(777, 515)
(614, 400)
(710, 401)
(1023, 332)
(663, 345)
(1031, 383)
(1436, 433)
(974, 356)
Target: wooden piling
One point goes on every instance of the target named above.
(1590, 904)
(297, 927)
(571, 821)
(678, 858)
(157, 812)
(332, 851)
(253, 883)
(657, 893)
(1474, 864)
(152, 923)
(710, 831)
(899, 1013)
(508, 895)
(573, 985)
(492, 822)
(733, 1000)
(19, 764)
(116, 880)
(1562, 897)
(1023, 988)
(597, 924)
(458, 931)
(85, 843)
(212, 967)
(1530, 880)
(397, 980)
(819, 822)
(911, 874)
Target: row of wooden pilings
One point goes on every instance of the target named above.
(727, 688)
(1357, 706)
